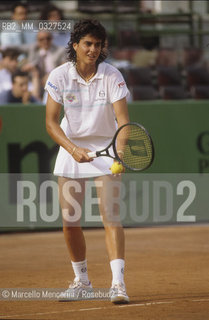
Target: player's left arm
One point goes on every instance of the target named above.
(121, 111)
(122, 117)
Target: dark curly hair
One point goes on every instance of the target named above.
(81, 29)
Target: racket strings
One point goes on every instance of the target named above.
(136, 147)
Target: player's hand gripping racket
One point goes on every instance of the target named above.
(131, 145)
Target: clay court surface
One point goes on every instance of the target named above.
(167, 274)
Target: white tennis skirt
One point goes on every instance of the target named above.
(66, 166)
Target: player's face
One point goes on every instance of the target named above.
(88, 49)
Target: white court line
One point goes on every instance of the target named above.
(98, 308)
(90, 309)
(163, 302)
(200, 300)
(145, 304)
(87, 309)
(52, 312)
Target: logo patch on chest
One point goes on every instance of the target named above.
(101, 94)
(71, 98)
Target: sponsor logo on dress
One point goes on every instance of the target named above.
(71, 97)
(121, 84)
(52, 85)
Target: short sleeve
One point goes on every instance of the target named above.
(118, 88)
(53, 87)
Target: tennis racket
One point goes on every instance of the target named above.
(131, 145)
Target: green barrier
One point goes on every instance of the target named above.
(24, 143)
(179, 129)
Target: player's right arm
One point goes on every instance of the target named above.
(53, 128)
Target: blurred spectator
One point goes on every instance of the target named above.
(146, 6)
(167, 57)
(192, 57)
(19, 92)
(52, 13)
(15, 39)
(9, 64)
(45, 56)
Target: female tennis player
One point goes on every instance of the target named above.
(94, 95)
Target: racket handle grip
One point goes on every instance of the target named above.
(92, 154)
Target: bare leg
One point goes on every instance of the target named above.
(71, 194)
(108, 195)
(114, 233)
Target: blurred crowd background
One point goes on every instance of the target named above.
(161, 47)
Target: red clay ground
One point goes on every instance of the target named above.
(167, 274)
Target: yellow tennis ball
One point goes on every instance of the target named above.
(116, 167)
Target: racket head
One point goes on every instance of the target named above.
(136, 145)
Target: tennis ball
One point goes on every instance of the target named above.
(116, 167)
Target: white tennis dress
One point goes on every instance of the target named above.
(89, 118)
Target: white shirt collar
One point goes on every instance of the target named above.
(75, 76)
